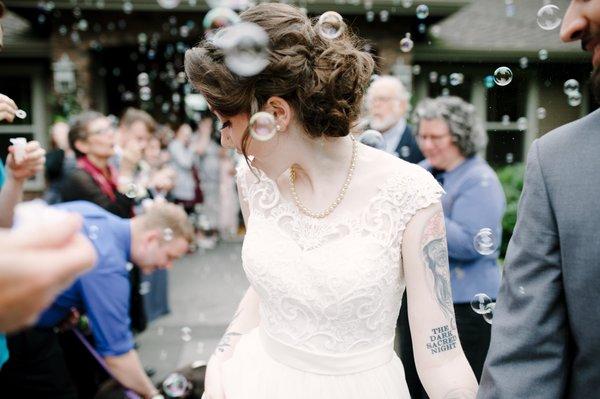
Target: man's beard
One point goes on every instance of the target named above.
(596, 83)
(383, 124)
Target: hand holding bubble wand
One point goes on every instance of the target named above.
(9, 110)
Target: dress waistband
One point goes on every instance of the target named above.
(326, 363)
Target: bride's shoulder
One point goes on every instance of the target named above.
(383, 165)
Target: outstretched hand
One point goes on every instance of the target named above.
(34, 268)
(8, 108)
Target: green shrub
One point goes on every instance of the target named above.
(511, 178)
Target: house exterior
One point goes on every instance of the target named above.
(107, 44)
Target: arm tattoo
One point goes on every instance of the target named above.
(224, 343)
(460, 393)
(435, 257)
(442, 339)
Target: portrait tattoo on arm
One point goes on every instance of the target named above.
(435, 258)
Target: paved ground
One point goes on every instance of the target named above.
(204, 290)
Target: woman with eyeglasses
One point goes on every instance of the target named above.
(92, 138)
(450, 135)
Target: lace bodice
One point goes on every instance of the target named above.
(330, 286)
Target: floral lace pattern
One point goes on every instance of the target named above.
(331, 286)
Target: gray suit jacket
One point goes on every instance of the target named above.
(546, 327)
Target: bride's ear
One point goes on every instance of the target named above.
(281, 110)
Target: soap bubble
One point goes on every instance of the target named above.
(456, 79)
(20, 114)
(505, 120)
(384, 15)
(132, 190)
(422, 11)
(510, 157)
(168, 4)
(372, 138)
(548, 17)
(484, 242)
(522, 123)
(93, 231)
(416, 69)
(220, 17)
(246, 48)
(143, 79)
(433, 76)
(488, 316)
(127, 7)
(370, 16)
(407, 3)
(523, 62)
(541, 113)
(175, 385)
(480, 302)
(168, 234)
(503, 76)
(488, 82)
(330, 25)
(543, 54)
(406, 44)
(575, 99)
(262, 126)
(443, 80)
(405, 151)
(571, 86)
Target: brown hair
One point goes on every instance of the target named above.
(165, 215)
(323, 80)
(133, 115)
(2, 9)
(78, 128)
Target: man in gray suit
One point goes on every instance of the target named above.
(546, 332)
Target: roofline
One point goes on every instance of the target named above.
(433, 54)
(436, 7)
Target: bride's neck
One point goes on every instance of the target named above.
(319, 162)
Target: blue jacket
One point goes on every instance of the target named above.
(474, 200)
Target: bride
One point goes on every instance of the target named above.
(335, 231)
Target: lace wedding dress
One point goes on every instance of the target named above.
(330, 293)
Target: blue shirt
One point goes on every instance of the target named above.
(474, 200)
(3, 347)
(103, 292)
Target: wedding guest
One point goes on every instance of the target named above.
(450, 135)
(387, 106)
(546, 325)
(184, 150)
(37, 368)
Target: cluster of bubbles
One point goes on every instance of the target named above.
(485, 242)
(483, 305)
(571, 90)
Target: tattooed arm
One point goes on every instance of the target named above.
(442, 366)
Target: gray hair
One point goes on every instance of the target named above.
(393, 81)
(465, 126)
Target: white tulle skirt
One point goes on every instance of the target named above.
(264, 368)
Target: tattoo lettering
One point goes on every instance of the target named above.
(435, 257)
(442, 339)
(225, 341)
(461, 393)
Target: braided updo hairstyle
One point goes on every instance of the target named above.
(323, 80)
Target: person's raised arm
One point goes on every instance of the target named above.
(442, 366)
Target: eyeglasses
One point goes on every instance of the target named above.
(436, 139)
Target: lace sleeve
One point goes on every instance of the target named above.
(243, 175)
(422, 191)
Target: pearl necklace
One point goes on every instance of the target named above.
(331, 208)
